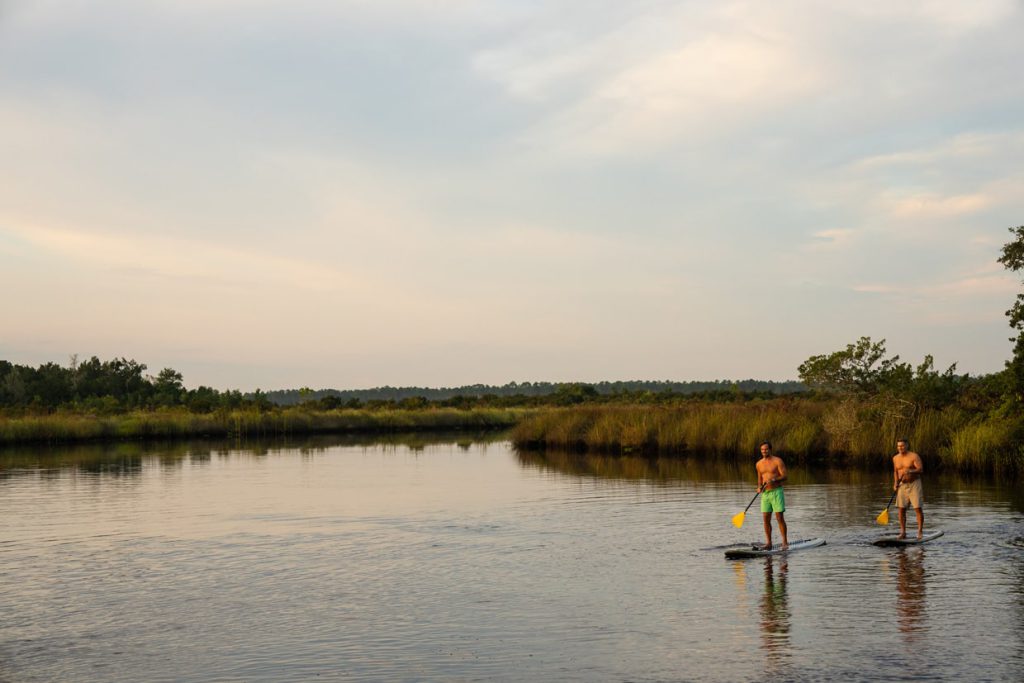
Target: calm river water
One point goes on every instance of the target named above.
(467, 561)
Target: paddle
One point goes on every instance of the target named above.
(737, 520)
(883, 517)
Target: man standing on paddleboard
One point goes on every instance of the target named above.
(771, 472)
(906, 482)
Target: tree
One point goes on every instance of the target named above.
(862, 371)
(12, 386)
(1013, 259)
(168, 387)
(574, 393)
(49, 385)
(861, 368)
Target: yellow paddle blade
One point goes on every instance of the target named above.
(883, 518)
(737, 520)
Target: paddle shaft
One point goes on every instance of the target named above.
(893, 497)
(755, 497)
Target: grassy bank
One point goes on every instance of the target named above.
(175, 423)
(836, 432)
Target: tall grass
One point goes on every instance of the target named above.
(980, 445)
(706, 428)
(842, 433)
(73, 427)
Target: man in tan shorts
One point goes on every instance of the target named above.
(906, 481)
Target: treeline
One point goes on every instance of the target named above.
(108, 387)
(558, 392)
(122, 384)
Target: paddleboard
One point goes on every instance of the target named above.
(759, 551)
(911, 539)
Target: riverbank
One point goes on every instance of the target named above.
(176, 424)
(828, 431)
(837, 432)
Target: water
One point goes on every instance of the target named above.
(467, 561)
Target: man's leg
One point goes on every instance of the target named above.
(767, 516)
(920, 521)
(781, 516)
(903, 522)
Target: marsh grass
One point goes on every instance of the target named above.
(175, 424)
(843, 433)
(989, 444)
(707, 428)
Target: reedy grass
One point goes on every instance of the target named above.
(842, 433)
(980, 445)
(704, 428)
(172, 424)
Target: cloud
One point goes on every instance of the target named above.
(962, 148)
(179, 258)
(932, 205)
(950, 15)
(831, 240)
(976, 287)
(980, 285)
(875, 289)
(696, 92)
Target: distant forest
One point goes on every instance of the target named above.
(112, 386)
(634, 388)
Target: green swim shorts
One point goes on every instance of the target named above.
(773, 501)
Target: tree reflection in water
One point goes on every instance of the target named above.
(775, 616)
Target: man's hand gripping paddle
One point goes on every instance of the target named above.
(883, 517)
(737, 519)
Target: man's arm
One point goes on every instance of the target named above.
(781, 470)
(917, 466)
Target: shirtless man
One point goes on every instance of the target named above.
(771, 472)
(906, 481)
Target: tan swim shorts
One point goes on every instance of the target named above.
(910, 494)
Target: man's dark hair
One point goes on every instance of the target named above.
(904, 441)
(766, 443)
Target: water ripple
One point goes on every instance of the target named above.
(464, 564)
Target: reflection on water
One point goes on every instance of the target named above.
(910, 592)
(775, 618)
(629, 467)
(125, 457)
(942, 486)
(339, 559)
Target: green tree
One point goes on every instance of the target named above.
(861, 368)
(574, 393)
(12, 386)
(168, 388)
(49, 385)
(1013, 259)
(862, 371)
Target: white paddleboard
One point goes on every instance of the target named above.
(759, 551)
(911, 539)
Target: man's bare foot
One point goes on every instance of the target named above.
(901, 536)
(919, 535)
(785, 546)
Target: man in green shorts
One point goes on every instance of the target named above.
(771, 472)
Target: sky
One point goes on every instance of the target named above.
(358, 193)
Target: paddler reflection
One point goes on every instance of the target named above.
(775, 615)
(910, 592)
